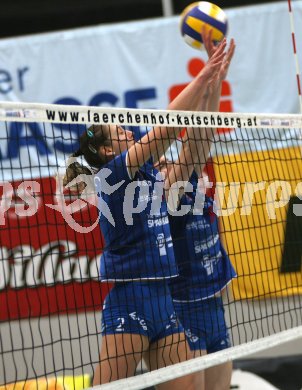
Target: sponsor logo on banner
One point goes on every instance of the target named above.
(49, 268)
(263, 236)
(46, 266)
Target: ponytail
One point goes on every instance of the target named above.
(74, 169)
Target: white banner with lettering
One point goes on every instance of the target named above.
(143, 65)
(136, 64)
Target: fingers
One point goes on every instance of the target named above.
(219, 53)
(219, 61)
(215, 63)
(220, 49)
(218, 57)
(206, 36)
(231, 50)
(227, 60)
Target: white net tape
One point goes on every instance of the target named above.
(51, 113)
(253, 133)
(178, 370)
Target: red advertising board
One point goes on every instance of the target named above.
(47, 267)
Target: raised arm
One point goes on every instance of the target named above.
(211, 50)
(160, 138)
(195, 147)
(214, 94)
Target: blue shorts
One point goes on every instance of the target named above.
(204, 324)
(144, 308)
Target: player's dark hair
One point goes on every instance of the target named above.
(90, 142)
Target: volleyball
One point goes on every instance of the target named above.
(199, 14)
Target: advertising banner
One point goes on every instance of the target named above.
(46, 267)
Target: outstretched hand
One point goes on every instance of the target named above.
(227, 60)
(206, 36)
(212, 49)
(215, 62)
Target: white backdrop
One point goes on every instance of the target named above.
(99, 65)
(136, 64)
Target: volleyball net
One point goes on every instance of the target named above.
(51, 243)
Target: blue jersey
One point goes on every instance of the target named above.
(204, 324)
(144, 308)
(138, 249)
(139, 132)
(204, 266)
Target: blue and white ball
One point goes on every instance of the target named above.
(199, 14)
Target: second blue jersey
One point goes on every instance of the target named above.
(139, 245)
(204, 266)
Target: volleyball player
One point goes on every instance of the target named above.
(204, 266)
(138, 313)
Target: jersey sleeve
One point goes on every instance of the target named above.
(139, 132)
